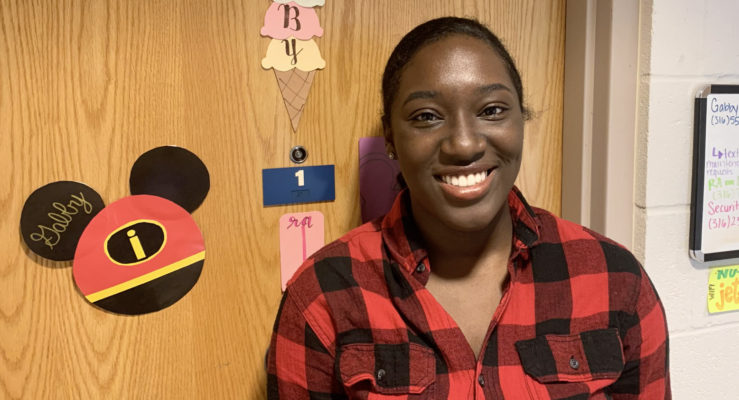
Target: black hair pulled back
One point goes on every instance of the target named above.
(432, 31)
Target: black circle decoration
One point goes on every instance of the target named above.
(173, 173)
(54, 217)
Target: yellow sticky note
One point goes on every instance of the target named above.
(723, 289)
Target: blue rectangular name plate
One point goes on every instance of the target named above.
(298, 185)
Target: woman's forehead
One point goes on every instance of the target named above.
(457, 61)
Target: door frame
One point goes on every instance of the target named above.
(599, 117)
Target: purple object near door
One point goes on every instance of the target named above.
(378, 183)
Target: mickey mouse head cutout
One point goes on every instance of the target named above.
(139, 254)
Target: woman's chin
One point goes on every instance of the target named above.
(470, 220)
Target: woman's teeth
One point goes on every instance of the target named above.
(464, 180)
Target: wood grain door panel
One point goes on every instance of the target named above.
(88, 86)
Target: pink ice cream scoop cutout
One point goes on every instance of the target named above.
(304, 3)
(291, 20)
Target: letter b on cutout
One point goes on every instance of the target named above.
(288, 11)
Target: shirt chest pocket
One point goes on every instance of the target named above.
(387, 369)
(572, 366)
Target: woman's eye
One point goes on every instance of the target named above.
(425, 117)
(492, 111)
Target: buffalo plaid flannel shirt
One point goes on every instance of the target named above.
(579, 319)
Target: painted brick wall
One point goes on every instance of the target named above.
(684, 45)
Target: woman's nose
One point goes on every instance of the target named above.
(463, 143)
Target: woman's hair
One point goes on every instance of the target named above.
(432, 31)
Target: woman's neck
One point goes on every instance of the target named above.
(456, 255)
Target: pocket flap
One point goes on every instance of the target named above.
(580, 357)
(391, 368)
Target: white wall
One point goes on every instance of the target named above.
(684, 45)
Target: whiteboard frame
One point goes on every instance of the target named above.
(696, 199)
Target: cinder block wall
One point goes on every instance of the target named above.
(684, 45)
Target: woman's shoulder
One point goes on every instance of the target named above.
(573, 238)
(593, 265)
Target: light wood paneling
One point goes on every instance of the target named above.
(88, 86)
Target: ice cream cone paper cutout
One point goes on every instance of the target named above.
(294, 85)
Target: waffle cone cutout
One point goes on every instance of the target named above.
(294, 86)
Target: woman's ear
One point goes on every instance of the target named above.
(388, 134)
(390, 149)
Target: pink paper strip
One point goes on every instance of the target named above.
(301, 234)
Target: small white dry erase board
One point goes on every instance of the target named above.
(714, 208)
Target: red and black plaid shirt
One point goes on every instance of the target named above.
(579, 319)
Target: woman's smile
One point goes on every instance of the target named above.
(465, 185)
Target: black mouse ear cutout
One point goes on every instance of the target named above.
(54, 217)
(173, 173)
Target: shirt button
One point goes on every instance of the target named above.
(574, 364)
(481, 380)
(380, 374)
(420, 268)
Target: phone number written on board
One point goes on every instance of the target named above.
(724, 113)
(723, 216)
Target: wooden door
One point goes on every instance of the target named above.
(88, 86)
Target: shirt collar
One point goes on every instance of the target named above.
(526, 224)
(406, 245)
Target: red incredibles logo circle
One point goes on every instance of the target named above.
(138, 255)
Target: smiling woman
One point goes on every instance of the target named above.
(463, 290)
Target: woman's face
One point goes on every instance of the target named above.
(457, 129)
